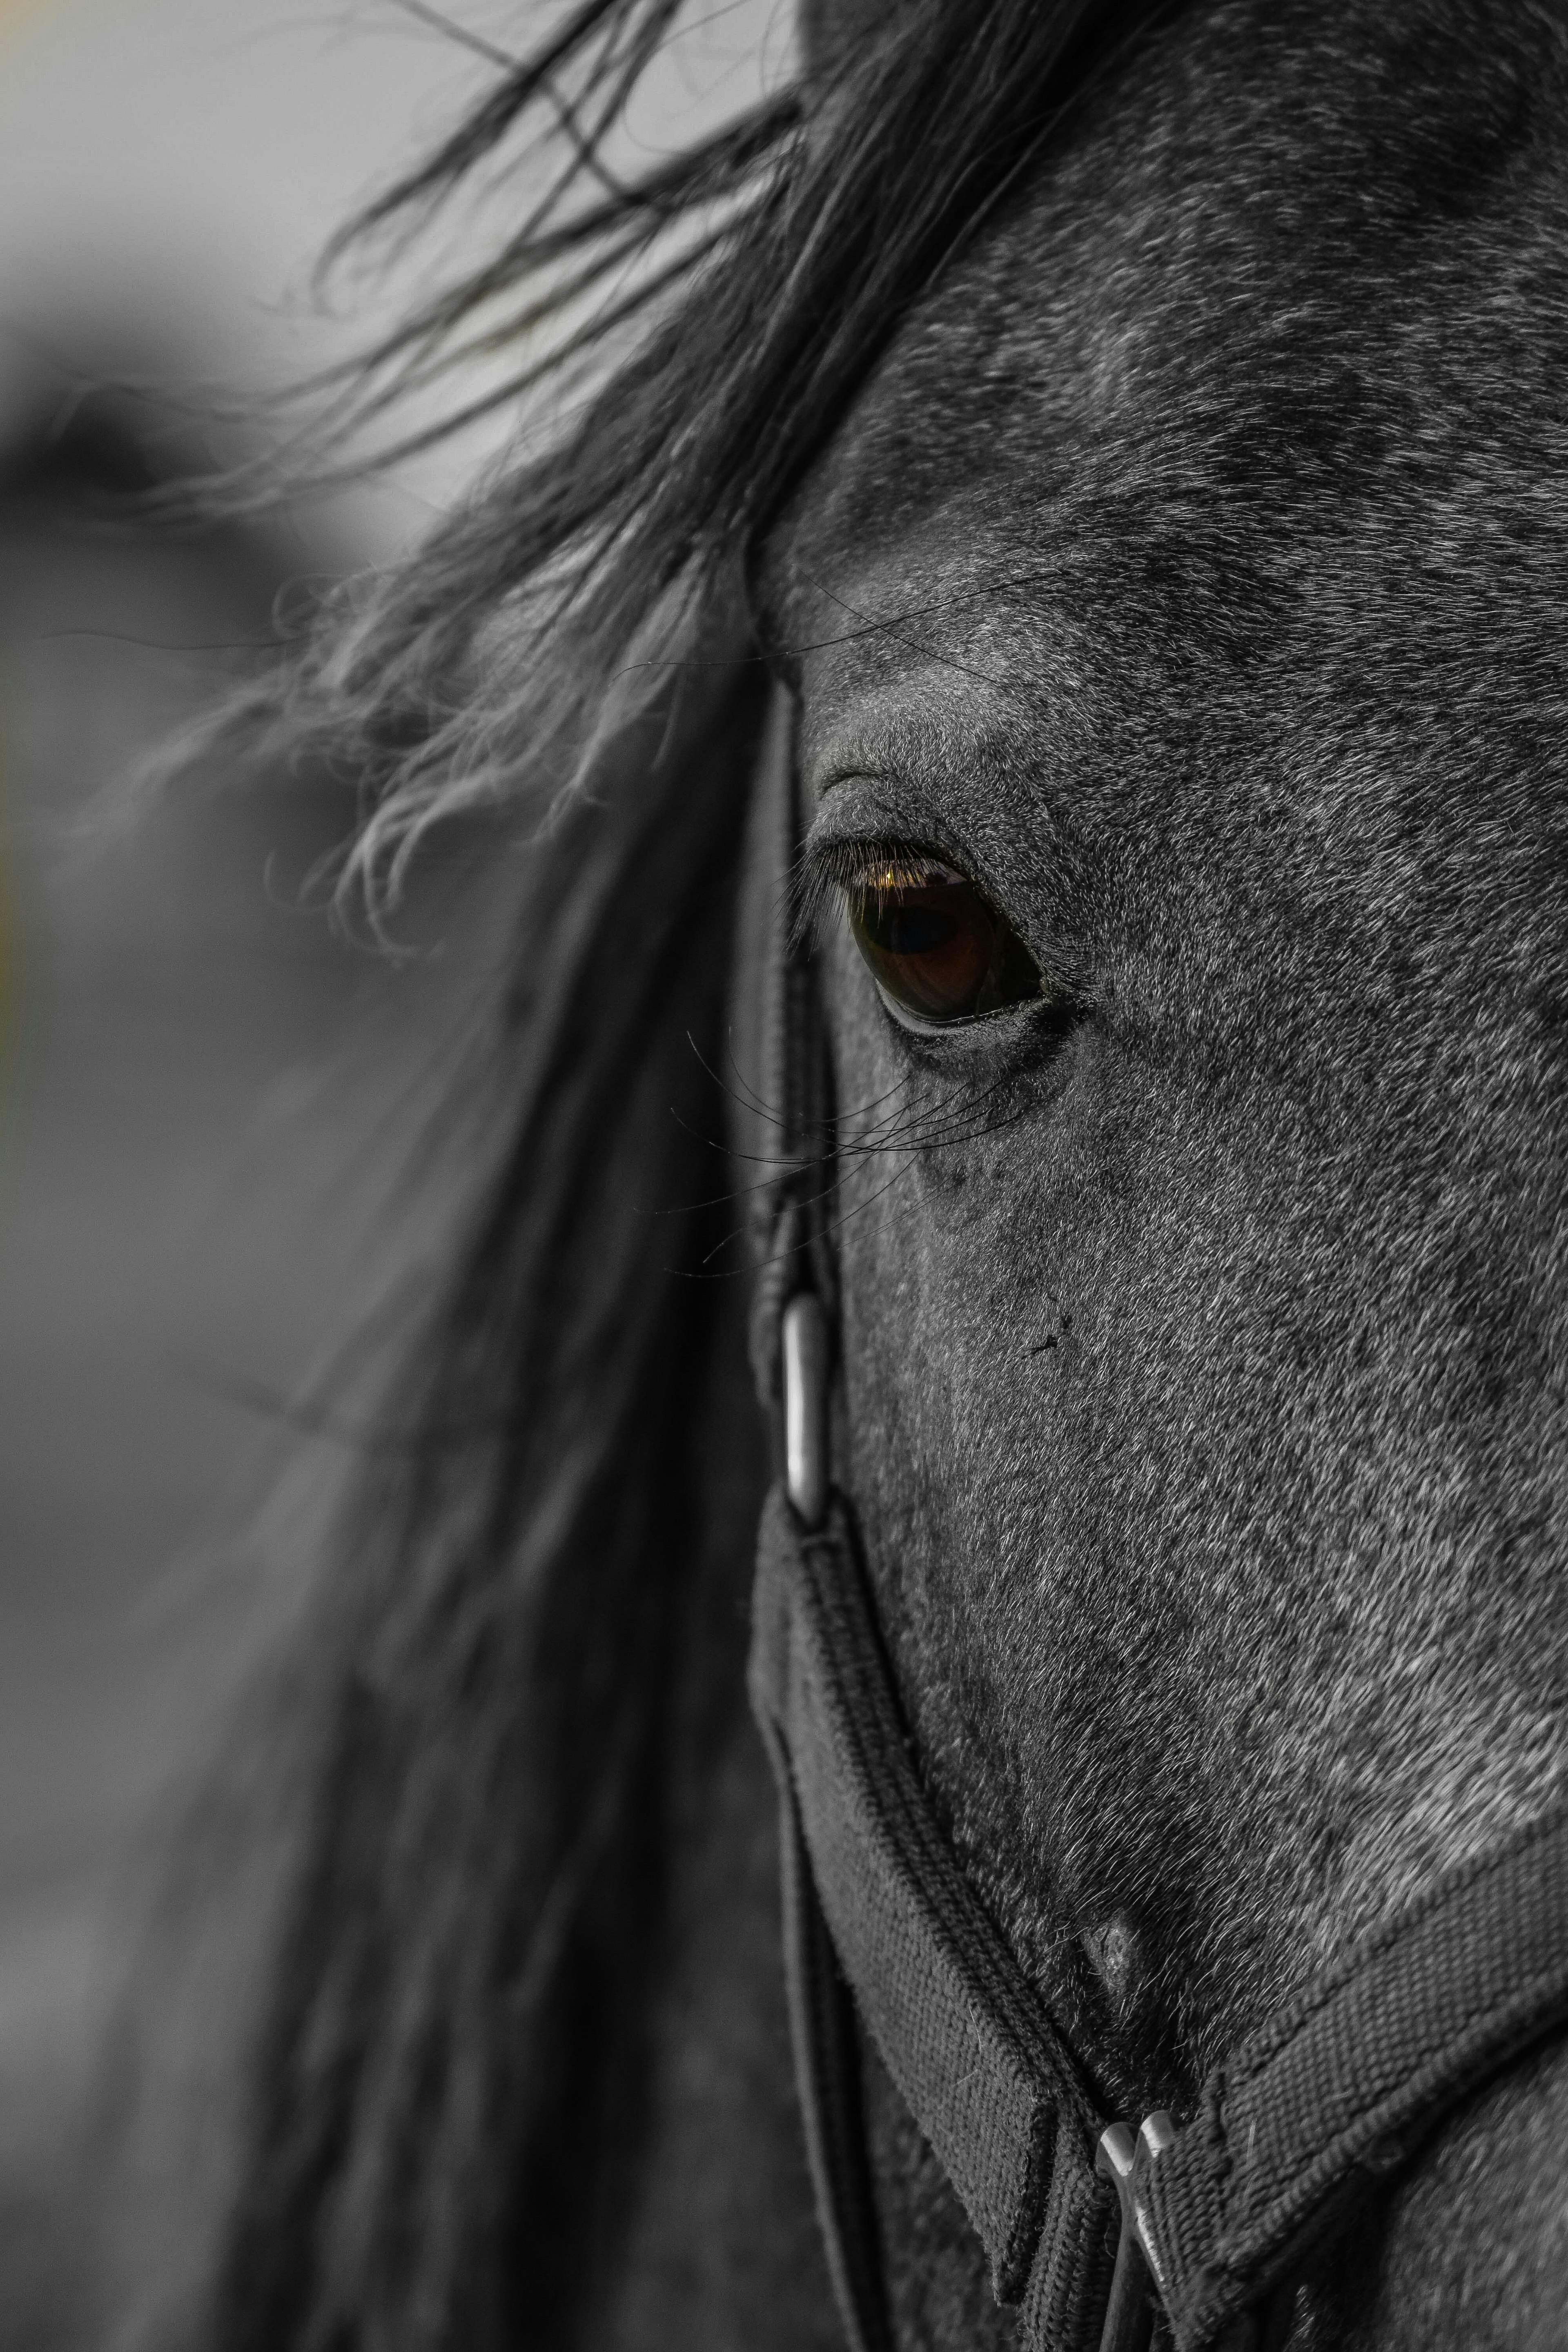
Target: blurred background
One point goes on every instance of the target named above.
(208, 1091)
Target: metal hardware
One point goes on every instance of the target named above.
(1135, 2283)
(1156, 2133)
(804, 1334)
(1129, 2313)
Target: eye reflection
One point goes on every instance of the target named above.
(937, 948)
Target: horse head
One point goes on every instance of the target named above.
(1171, 624)
(1145, 490)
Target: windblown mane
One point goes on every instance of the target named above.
(451, 2046)
(727, 305)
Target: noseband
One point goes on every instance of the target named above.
(1092, 2230)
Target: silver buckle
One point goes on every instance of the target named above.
(1136, 2282)
(804, 1335)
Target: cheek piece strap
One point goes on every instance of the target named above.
(1097, 2233)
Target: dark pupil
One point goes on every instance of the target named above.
(907, 929)
(936, 946)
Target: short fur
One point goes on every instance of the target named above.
(1185, 556)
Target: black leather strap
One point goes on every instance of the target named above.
(958, 2028)
(791, 1189)
(828, 2077)
(1340, 2087)
(790, 1118)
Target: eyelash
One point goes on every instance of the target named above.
(831, 871)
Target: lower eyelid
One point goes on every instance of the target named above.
(968, 1025)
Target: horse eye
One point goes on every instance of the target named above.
(937, 948)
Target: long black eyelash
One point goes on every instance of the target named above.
(882, 1126)
(962, 1115)
(840, 866)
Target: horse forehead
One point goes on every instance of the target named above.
(1297, 278)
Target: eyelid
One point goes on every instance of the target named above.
(916, 1027)
(828, 871)
(864, 811)
(883, 861)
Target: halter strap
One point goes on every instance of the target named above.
(963, 2036)
(789, 1346)
(1292, 2131)
(1342, 2085)
(1295, 2128)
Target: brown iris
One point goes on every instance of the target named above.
(937, 947)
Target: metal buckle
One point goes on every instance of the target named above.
(804, 1339)
(1136, 2283)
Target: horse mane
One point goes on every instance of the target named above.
(449, 2047)
(721, 309)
